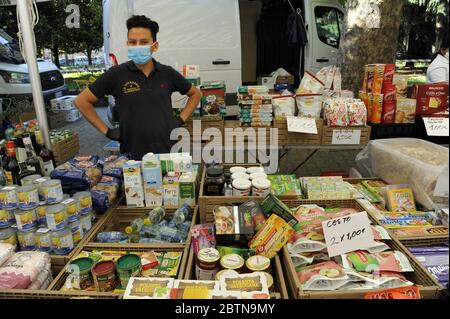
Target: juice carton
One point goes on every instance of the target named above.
(153, 186)
(187, 188)
(171, 190)
(133, 183)
(176, 162)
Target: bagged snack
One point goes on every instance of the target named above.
(310, 85)
(397, 293)
(336, 112)
(323, 276)
(304, 259)
(323, 73)
(406, 111)
(400, 200)
(113, 165)
(284, 106)
(393, 261)
(357, 114)
(376, 280)
(309, 105)
(337, 83)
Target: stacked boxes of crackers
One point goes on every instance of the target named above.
(255, 106)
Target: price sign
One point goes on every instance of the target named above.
(347, 234)
(302, 125)
(436, 126)
(346, 137)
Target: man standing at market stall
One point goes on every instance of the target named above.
(142, 88)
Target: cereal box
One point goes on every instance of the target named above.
(133, 183)
(153, 187)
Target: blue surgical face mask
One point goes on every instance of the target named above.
(140, 54)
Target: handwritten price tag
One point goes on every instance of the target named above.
(346, 137)
(347, 234)
(301, 125)
(436, 126)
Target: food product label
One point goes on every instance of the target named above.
(302, 125)
(26, 241)
(347, 234)
(28, 199)
(26, 220)
(77, 234)
(436, 126)
(346, 137)
(6, 218)
(43, 243)
(8, 198)
(56, 221)
(151, 170)
(85, 205)
(48, 167)
(62, 245)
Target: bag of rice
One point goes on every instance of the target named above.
(309, 105)
(310, 85)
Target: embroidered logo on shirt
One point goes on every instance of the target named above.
(131, 87)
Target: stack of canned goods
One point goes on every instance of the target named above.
(38, 216)
(57, 136)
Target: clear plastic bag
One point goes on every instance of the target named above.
(409, 161)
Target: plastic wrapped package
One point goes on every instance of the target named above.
(6, 251)
(71, 177)
(100, 201)
(113, 165)
(284, 106)
(409, 161)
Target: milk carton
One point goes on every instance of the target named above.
(133, 183)
(171, 190)
(153, 186)
(176, 162)
(187, 188)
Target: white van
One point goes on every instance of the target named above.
(14, 77)
(220, 35)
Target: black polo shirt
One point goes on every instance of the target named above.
(144, 103)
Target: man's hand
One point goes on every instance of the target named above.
(180, 122)
(113, 134)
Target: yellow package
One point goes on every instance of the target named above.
(401, 200)
(272, 236)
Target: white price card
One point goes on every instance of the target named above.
(346, 137)
(436, 126)
(302, 125)
(347, 234)
(441, 189)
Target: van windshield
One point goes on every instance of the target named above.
(9, 49)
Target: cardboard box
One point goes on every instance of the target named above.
(171, 190)
(282, 79)
(72, 115)
(191, 71)
(176, 162)
(153, 185)
(133, 183)
(432, 99)
(267, 80)
(56, 120)
(406, 111)
(64, 103)
(233, 225)
(187, 189)
(213, 100)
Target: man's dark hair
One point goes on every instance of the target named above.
(444, 44)
(143, 22)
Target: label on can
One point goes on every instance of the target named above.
(56, 221)
(43, 242)
(62, 245)
(10, 240)
(6, 218)
(77, 233)
(8, 198)
(71, 209)
(86, 223)
(26, 220)
(26, 241)
(28, 199)
(85, 205)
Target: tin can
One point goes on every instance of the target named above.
(8, 236)
(77, 231)
(25, 219)
(56, 217)
(128, 266)
(86, 222)
(26, 239)
(85, 202)
(104, 274)
(6, 218)
(28, 197)
(8, 197)
(72, 209)
(43, 240)
(52, 191)
(62, 241)
(28, 180)
(80, 270)
(38, 183)
(41, 214)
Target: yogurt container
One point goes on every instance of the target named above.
(26, 239)
(72, 209)
(6, 218)
(43, 240)
(56, 217)
(62, 241)
(41, 214)
(28, 197)
(38, 183)
(258, 175)
(241, 187)
(239, 176)
(261, 187)
(77, 231)
(52, 191)
(237, 169)
(8, 236)
(85, 202)
(255, 169)
(28, 180)
(25, 219)
(8, 197)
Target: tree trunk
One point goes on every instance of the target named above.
(365, 42)
(55, 52)
(89, 56)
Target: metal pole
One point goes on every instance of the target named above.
(30, 58)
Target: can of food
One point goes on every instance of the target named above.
(28, 180)
(240, 176)
(26, 239)
(43, 240)
(207, 264)
(257, 176)
(52, 190)
(28, 197)
(128, 266)
(41, 214)
(104, 274)
(232, 262)
(62, 241)
(80, 271)
(255, 169)
(72, 209)
(224, 272)
(8, 236)
(261, 187)
(237, 169)
(38, 183)
(241, 187)
(86, 222)
(77, 231)
(56, 217)
(258, 263)
(85, 202)
(8, 197)
(25, 219)
(6, 218)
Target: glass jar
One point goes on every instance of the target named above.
(207, 264)
(232, 262)
(214, 181)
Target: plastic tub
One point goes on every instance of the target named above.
(104, 274)
(128, 266)
(80, 269)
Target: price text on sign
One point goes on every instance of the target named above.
(347, 234)
(436, 126)
(302, 125)
(346, 137)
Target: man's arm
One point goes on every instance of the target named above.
(85, 103)
(195, 96)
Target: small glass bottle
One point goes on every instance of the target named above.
(215, 181)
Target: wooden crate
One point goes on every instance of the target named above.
(206, 123)
(259, 134)
(327, 135)
(206, 203)
(46, 294)
(66, 149)
(292, 138)
(56, 120)
(429, 287)
(279, 291)
(118, 219)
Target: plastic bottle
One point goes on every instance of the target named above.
(181, 214)
(150, 231)
(171, 235)
(136, 225)
(156, 215)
